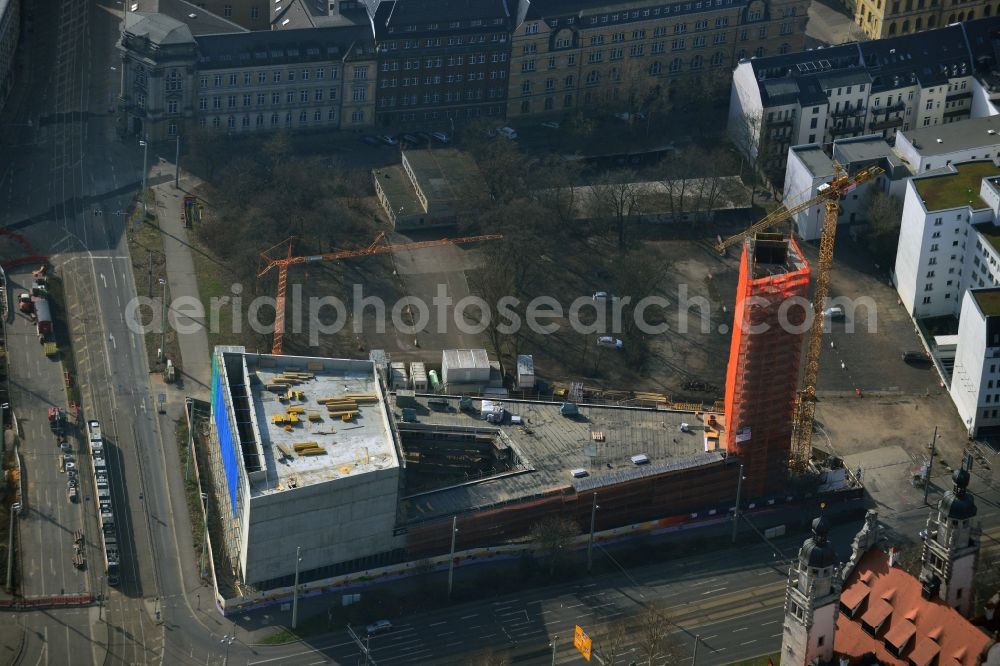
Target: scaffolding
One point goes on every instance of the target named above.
(763, 374)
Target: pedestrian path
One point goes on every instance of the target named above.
(192, 336)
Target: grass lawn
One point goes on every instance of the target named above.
(145, 246)
(957, 189)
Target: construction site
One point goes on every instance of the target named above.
(331, 466)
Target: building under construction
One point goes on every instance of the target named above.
(314, 455)
(762, 379)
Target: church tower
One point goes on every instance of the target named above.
(812, 601)
(951, 548)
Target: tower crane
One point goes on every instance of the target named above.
(378, 246)
(829, 195)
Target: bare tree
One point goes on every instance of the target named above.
(552, 537)
(615, 198)
(884, 213)
(488, 657)
(656, 635)
(611, 644)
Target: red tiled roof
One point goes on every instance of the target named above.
(894, 596)
(925, 651)
(853, 597)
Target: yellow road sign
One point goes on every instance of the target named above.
(582, 642)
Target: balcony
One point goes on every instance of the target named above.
(849, 113)
(897, 106)
(780, 122)
(847, 128)
(887, 123)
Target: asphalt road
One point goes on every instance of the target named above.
(49, 520)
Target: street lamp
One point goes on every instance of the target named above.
(553, 646)
(145, 161)
(295, 590)
(736, 511)
(227, 641)
(451, 560)
(177, 163)
(590, 543)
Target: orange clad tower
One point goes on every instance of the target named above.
(762, 380)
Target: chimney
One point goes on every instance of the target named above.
(893, 556)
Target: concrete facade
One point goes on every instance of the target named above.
(10, 31)
(975, 383)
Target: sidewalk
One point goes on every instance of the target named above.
(196, 361)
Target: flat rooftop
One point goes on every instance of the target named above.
(953, 190)
(869, 148)
(363, 444)
(963, 135)
(398, 189)
(988, 301)
(550, 446)
(814, 159)
(443, 174)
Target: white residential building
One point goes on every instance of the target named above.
(945, 244)
(882, 86)
(975, 380)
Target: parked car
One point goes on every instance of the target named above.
(378, 627)
(551, 124)
(423, 136)
(411, 139)
(604, 296)
(370, 140)
(66, 448)
(441, 137)
(70, 465)
(507, 132)
(835, 313)
(914, 357)
(608, 341)
(388, 140)
(629, 117)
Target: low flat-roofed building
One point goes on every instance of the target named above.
(551, 464)
(308, 453)
(425, 189)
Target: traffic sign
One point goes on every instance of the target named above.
(582, 642)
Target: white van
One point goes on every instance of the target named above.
(508, 132)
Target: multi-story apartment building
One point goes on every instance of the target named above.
(439, 60)
(628, 55)
(205, 71)
(886, 18)
(948, 265)
(10, 29)
(857, 89)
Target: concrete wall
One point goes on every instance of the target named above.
(800, 186)
(744, 100)
(338, 521)
(982, 106)
(910, 259)
(968, 375)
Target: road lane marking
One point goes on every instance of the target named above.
(749, 642)
(718, 589)
(740, 629)
(104, 280)
(469, 617)
(437, 624)
(764, 624)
